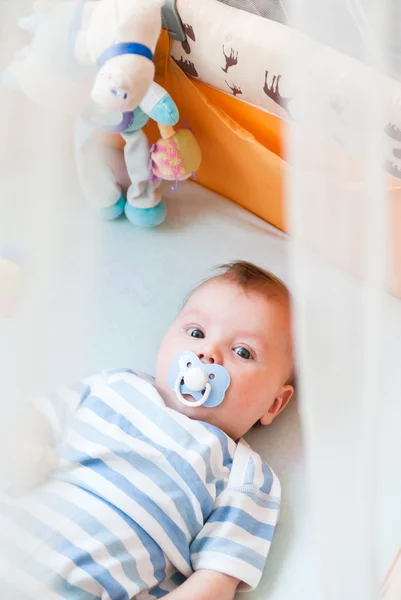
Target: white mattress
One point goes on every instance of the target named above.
(137, 280)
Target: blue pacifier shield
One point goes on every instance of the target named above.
(215, 375)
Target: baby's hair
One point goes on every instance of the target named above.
(252, 278)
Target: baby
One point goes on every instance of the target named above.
(150, 492)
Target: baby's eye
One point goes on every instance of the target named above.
(196, 333)
(243, 353)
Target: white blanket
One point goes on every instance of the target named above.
(136, 280)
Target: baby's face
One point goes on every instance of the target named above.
(246, 333)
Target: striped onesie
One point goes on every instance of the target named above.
(143, 497)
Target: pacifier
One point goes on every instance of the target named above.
(206, 383)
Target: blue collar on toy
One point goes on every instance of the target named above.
(124, 48)
(206, 383)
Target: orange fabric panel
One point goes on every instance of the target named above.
(244, 167)
(243, 159)
(267, 130)
(235, 163)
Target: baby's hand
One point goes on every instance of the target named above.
(206, 585)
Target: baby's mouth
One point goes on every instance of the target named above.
(196, 383)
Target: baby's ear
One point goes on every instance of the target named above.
(279, 404)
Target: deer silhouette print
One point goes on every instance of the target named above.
(231, 60)
(187, 66)
(191, 35)
(273, 92)
(235, 90)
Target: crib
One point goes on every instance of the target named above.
(301, 174)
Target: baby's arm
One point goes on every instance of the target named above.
(235, 539)
(206, 585)
(27, 452)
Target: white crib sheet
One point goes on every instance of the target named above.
(136, 283)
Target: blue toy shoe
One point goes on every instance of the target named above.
(113, 212)
(146, 217)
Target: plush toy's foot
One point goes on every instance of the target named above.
(146, 217)
(113, 212)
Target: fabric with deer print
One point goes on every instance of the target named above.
(187, 66)
(231, 60)
(235, 89)
(273, 91)
(186, 46)
(246, 56)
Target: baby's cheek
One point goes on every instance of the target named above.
(246, 387)
(236, 394)
(169, 349)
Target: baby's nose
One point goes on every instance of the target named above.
(209, 360)
(211, 354)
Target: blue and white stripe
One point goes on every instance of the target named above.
(143, 497)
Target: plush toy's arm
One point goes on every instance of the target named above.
(159, 106)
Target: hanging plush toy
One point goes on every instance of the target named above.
(104, 49)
